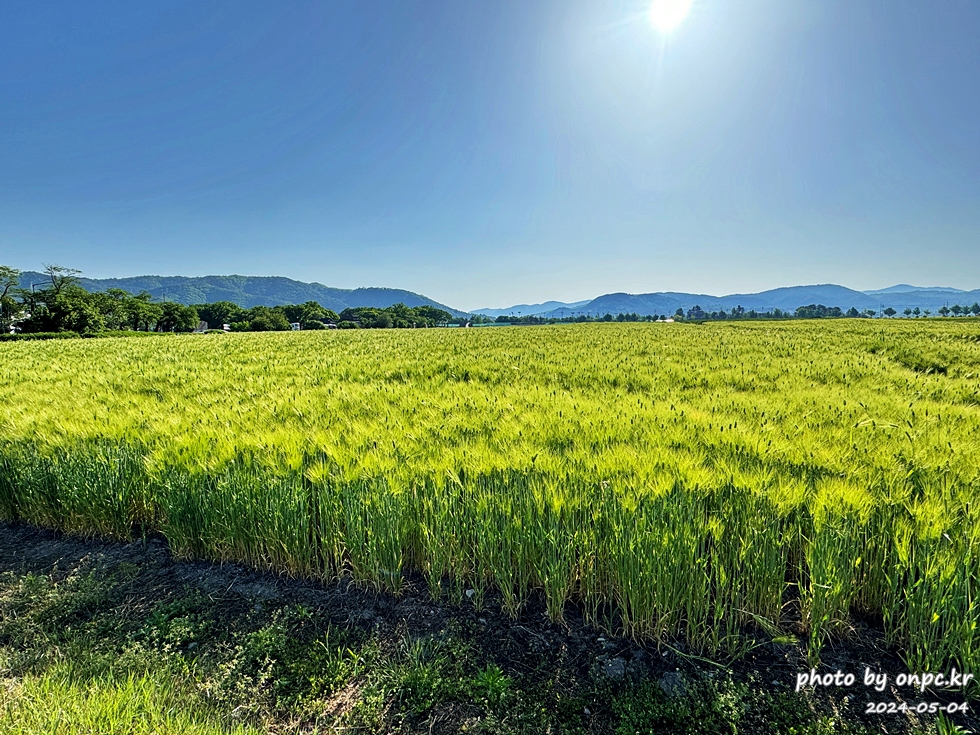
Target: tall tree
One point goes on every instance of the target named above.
(9, 278)
(61, 276)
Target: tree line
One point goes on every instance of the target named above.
(696, 313)
(61, 305)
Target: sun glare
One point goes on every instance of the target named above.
(666, 15)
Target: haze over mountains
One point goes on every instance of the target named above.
(899, 297)
(248, 291)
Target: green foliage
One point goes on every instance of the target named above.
(399, 316)
(177, 318)
(718, 705)
(818, 311)
(492, 685)
(220, 312)
(281, 667)
(37, 336)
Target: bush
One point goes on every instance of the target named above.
(122, 333)
(38, 335)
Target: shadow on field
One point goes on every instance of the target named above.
(248, 648)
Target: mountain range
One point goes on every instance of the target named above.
(899, 297)
(249, 291)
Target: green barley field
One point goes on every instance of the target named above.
(676, 481)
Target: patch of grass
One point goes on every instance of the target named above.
(61, 701)
(287, 664)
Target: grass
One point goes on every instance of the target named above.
(680, 482)
(56, 702)
(101, 638)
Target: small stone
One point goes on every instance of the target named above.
(470, 593)
(614, 668)
(672, 684)
(482, 620)
(587, 711)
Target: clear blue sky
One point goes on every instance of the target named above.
(488, 153)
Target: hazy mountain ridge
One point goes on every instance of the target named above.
(906, 288)
(249, 291)
(524, 309)
(786, 299)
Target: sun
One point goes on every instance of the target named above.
(666, 15)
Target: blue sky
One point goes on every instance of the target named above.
(490, 153)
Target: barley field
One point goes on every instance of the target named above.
(676, 481)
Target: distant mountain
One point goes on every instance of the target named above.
(531, 309)
(249, 291)
(786, 299)
(906, 288)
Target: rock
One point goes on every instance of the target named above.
(470, 593)
(672, 684)
(614, 668)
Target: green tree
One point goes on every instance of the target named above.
(907, 312)
(267, 319)
(309, 315)
(9, 308)
(368, 317)
(944, 311)
(916, 311)
(70, 308)
(61, 277)
(77, 313)
(141, 314)
(889, 312)
(220, 312)
(112, 303)
(176, 317)
(975, 309)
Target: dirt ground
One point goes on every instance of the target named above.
(580, 675)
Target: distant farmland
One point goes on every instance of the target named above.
(673, 480)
